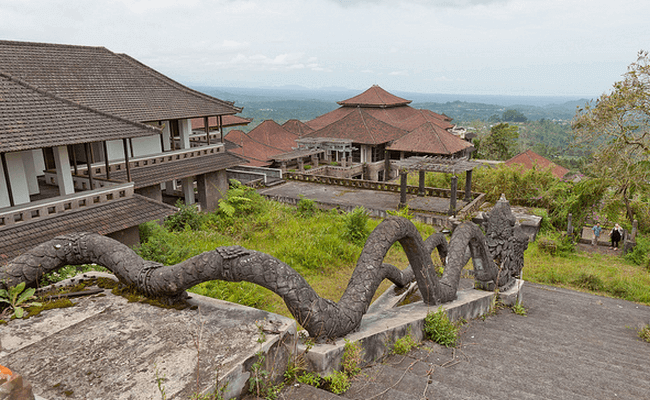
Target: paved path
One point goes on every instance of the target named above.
(572, 345)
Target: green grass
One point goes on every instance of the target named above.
(604, 275)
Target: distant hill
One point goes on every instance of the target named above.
(284, 103)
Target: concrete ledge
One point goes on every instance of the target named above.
(379, 330)
(106, 347)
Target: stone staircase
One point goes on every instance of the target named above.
(571, 345)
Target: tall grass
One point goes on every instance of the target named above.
(605, 275)
(323, 246)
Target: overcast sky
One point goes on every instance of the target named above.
(512, 47)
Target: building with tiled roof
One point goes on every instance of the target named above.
(384, 127)
(529, 160)
(263, 143)
(85, 133)
(297, 127)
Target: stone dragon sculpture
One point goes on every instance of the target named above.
(322, 318)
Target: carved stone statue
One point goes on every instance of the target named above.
(322, 318)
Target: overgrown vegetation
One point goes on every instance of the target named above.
(405, 344)
(644, 333)
(438, 328)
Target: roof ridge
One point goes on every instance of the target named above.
(77, 105)
(163, 78)
(365, 125)
(42, 44)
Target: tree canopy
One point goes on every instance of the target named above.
(617, 127)
(501, 143)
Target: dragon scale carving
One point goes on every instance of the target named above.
(322, 318)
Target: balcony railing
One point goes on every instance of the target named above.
(12, 216)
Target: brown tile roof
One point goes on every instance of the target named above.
(31, 118)
(374, 97)
(361, 127)
(227, 121)
(328, 118)
(103, 219)
(428, 138)
(113, 83)
(297, 127)
(529, 159)
(257, 153)
(158, 173)
(270, 133)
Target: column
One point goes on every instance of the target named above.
(403, 176)
(211, 186)
(5, 198)
(184, 131)
(18, 178)
(468, 186)
(452, 200)
(421, 183)
(30, 172)
(63, 173)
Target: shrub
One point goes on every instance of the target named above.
(555, 243)
(352, 358)
(338, 382)
(404, 344)
(639, 254)
(306, 207)
(355, 225)
(440, 329)
(187, 217)
(644, 333)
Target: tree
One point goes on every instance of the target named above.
(501, 143)
(617, 128)
(513, 116)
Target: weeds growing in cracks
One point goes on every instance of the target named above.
(440, 329)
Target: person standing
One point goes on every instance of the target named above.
(616, 235)
(597, 229)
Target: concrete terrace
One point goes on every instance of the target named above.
(347, 198)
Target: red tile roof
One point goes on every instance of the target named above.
(260, 149)
(113, 83)
(227, 121)
(31, 118)
(297, 127)
(375, 97)
(529, 159)
(270, 133)
(428, 138)
(361, 127)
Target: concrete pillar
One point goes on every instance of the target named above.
(18, 177)
(452, 200)
(184, 131)
(421, 174)
(39, 162)
(314, 160)
(63, 173)
(4, 189)
(30, 172)
(301, 165)
(468, 186)
(386, 166)
(152, 192)
(188, 190)
(211, 186)
(403, 186)
(569, 229)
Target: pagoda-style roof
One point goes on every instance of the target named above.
(296, 154)
(529, 159)
(361, 127)
(274, 135)
(226, 121)
(297, 127)
(430, 139)
(109, 82)
(375, 97)
(31, 118)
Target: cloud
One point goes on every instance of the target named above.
(399, 73)
(424, 3)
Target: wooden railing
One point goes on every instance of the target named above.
(48, 207)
